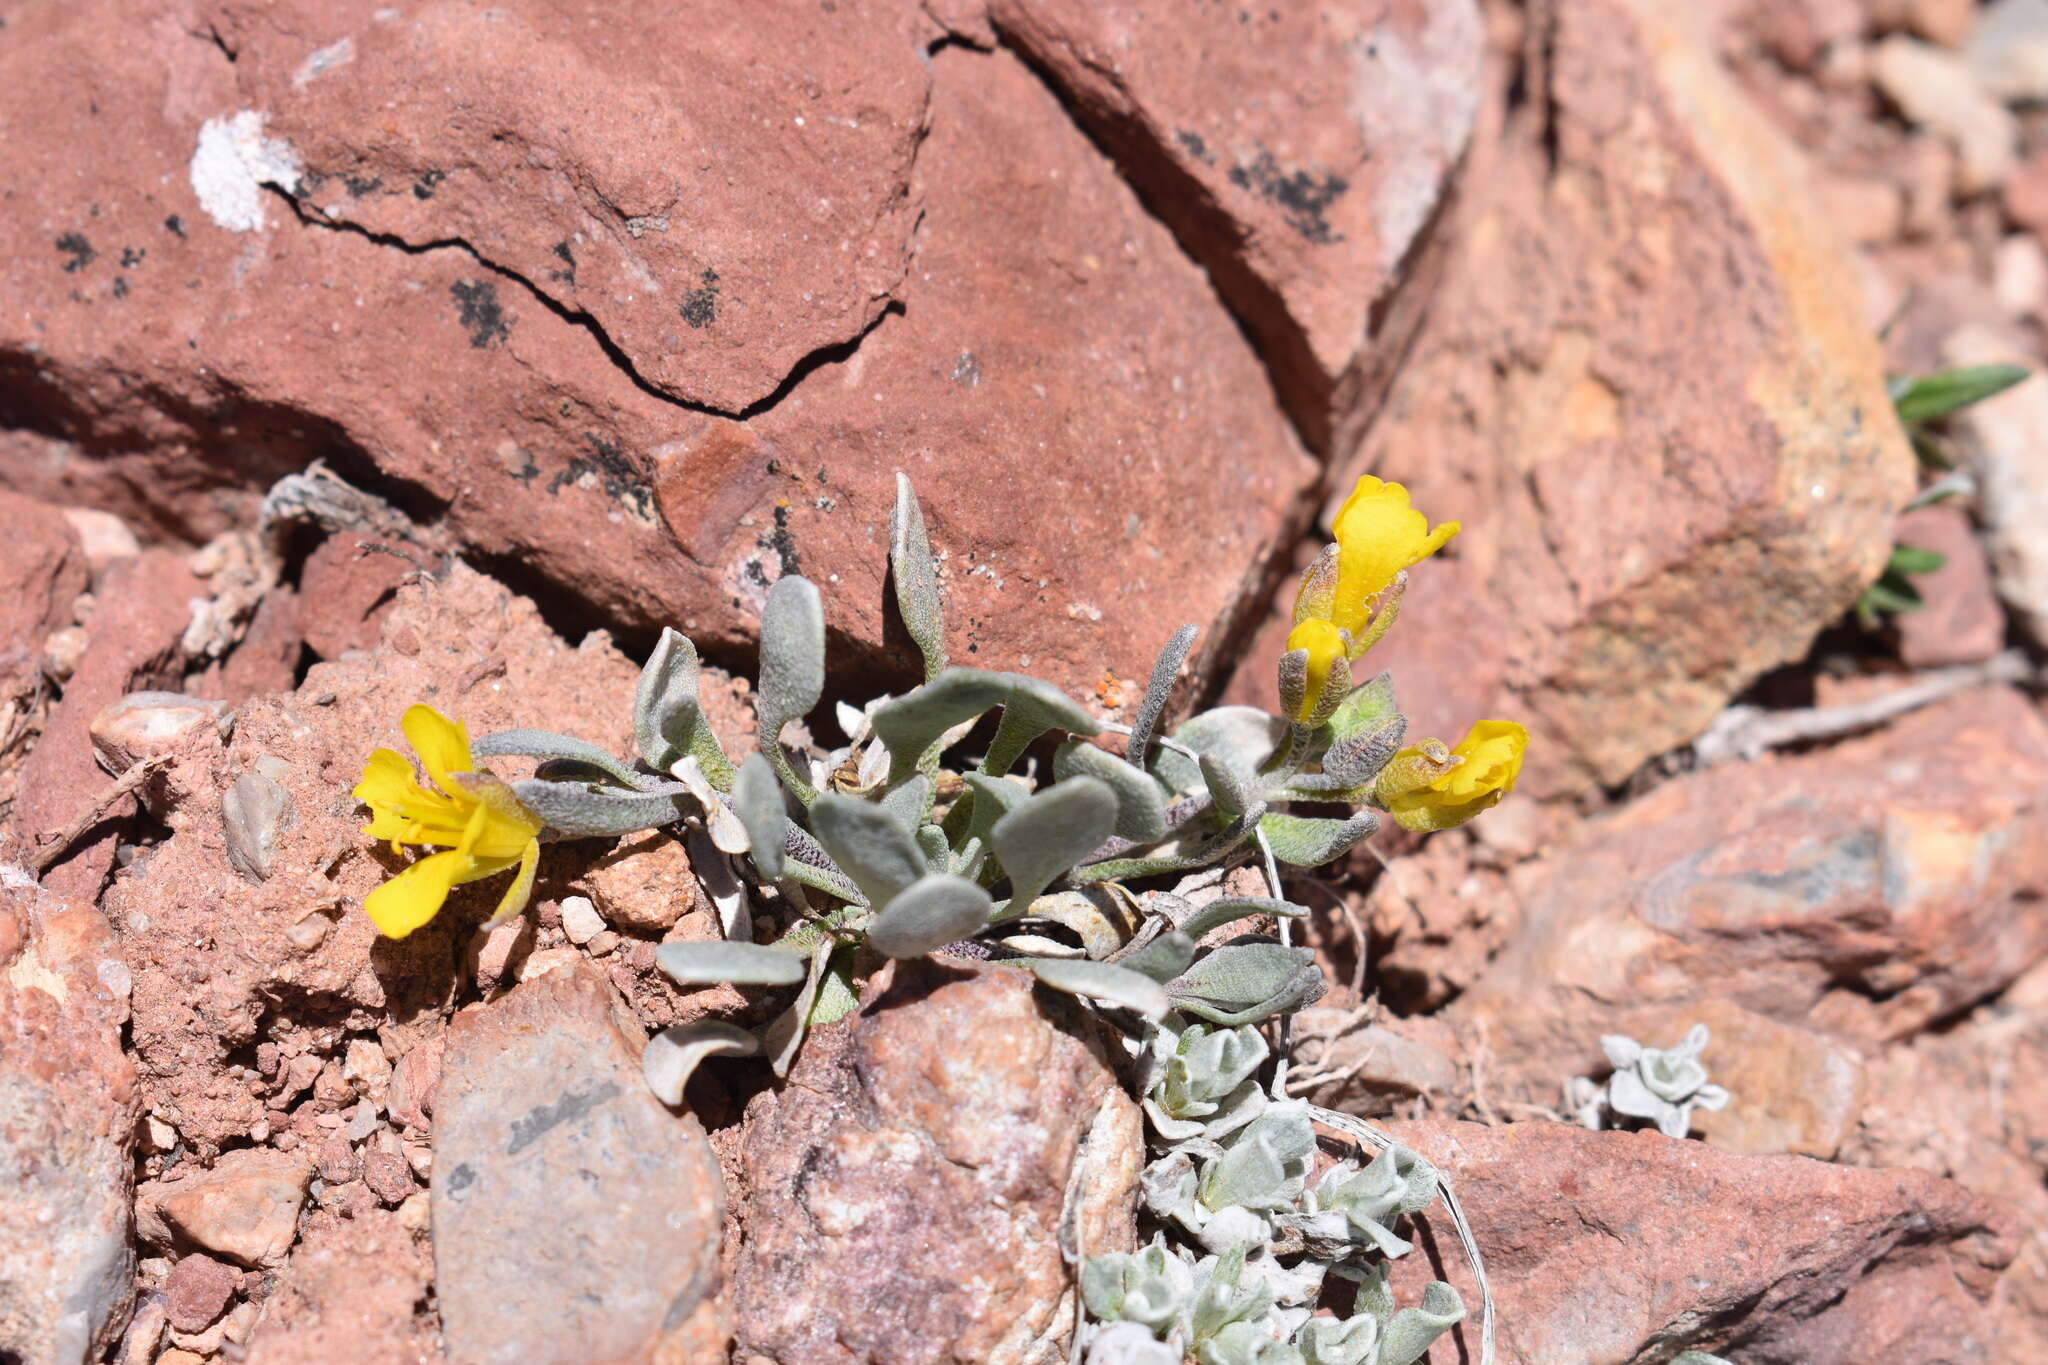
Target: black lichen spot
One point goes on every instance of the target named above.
(613, 472)
(176, 225)
(700, 306)
(542, 1119)
(481, 316)
(460, 1179)
(131, 256)
(1195, 147)
(360, 185)
(781, 543)
(568, 276)
(525, 470)
(74, 245)
(424, 187)
(1303, 196)
(120, 286)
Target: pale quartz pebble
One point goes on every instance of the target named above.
(580, 920)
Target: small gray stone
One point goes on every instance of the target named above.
(574, 1217)
(253, 811)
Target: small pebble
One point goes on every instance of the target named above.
(600, 944)
(580, 920)
(414, 1214)
(362, 1121)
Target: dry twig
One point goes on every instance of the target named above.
(1748, 732)
(51, 848)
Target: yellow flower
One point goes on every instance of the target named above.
(1325, 645)
(469, 813)
(1378, 535)
(1429, 787)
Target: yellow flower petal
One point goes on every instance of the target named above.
(441, 743)
(387, 779)
(1378, 535)
(516, 895)
(415, 895)
(1429, 787)
(1325, 645)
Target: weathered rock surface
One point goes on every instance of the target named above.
(556, 1171)
(910, 1187)
(719, 219)
(1898, 874)
(353, 1290)
(293, 961)
(67, 1109)
(1612, 1247)
(43, 568)
(143, 607)
(1091, 477)
(1648, 392)
(2005, 435)
(1960, 621)
(346, 587)
(727, 403)
(1307, 190)
(244, 1207)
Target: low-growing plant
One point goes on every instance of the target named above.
(1648, 1086)
(1101, 872)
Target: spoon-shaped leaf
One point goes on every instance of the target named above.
(917, 585)
(932, 912)
(1049, 833)
(1100, 981)
(792, 668)
(712, 962)
(869, 844)
(1140, 805)
(674, 1053)
(757, 800)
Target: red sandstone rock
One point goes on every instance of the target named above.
(1904, 866)
(1050, 325)
(42, 569)
(198, 1291)
(1310, 189)
(144, 604)
(1961, 622)
(267, 658)
(346, 590)
(921, 1156)
(355, 1289)
(1649, 394)
(67, 1110)
(1606, 1247)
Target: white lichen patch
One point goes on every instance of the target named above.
(232, 164)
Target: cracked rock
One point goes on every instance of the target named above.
(1613, 599)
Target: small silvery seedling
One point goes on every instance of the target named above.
(1648, 1085)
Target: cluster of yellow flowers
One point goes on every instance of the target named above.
(1346, 601)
